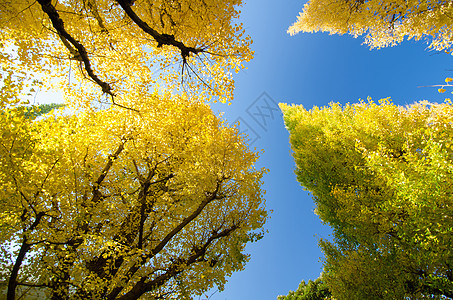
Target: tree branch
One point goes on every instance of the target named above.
(33, 285)
(132, 270)
(58, 24)
(209, 197)
(128, 230)
(24, 248)
(161, 39)
(95, 191)
(142, 286)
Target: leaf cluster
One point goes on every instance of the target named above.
(385, 23)
(381, 176)
(114, 204)
(313, 290)
(91, 48)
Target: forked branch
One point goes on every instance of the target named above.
(161, 38)
(58, 24)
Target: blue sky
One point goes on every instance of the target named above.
(308, 69)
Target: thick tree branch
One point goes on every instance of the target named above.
(84, 227)
(24, 248)
(161, 39)
(79, 53)
(143, 287)
(12, 283)
(128, 230)
(58, 24)
(143, 212)
(95, 191)
(132, 270)
(209, 198)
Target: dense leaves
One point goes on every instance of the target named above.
(381, 176)
(115, 204)
(92, 47)
(313, 290)
(385, 23)
(136, 188)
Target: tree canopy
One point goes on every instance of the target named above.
(381, 176)
(385, 23)
(136, 188)
(90, 48)
(112, 204)
(313, 290)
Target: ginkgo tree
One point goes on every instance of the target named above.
(115, 204)
(382, 177)
(384, 22)
(150, 195)
(95, 50)
(313, 290)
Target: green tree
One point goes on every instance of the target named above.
(313, 290)
(382, 177)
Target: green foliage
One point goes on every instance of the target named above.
(42, 109)
(313, 290)
(381, 176)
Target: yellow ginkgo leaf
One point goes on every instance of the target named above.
(173, 172)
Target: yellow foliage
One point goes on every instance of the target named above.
(113, 202)
(190, 46)
(138, 188)
(385, 22)
(381, 176)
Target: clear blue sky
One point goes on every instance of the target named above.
(308, 69)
